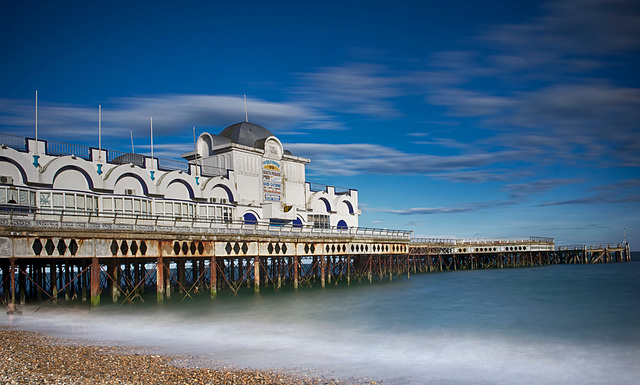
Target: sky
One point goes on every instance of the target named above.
(455, 119)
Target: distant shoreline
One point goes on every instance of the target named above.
(35, 358)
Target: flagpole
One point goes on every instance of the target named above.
(99, 132)
(36, 116)
(195, 149)
(151, 120)
(246, 116)
(131, 133)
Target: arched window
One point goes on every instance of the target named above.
(250, 219)
(342, 225)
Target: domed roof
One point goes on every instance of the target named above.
(246, 133)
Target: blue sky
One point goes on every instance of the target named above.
(454, 119)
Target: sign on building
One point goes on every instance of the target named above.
(271, 181)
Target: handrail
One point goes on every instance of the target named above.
(172, 165)
(213, 171)
(319, 187)
(14, 141)
(481, 241)
(584, 247)
(60, 148)
(59, 218)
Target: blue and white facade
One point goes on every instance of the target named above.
(242, 175)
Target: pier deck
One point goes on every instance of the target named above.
(50, 257)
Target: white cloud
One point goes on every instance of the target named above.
(172, 114)
(364, 158)
(363, 89)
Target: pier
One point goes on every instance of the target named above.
(88, 224)
(55, 258)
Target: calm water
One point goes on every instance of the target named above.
(574, 324)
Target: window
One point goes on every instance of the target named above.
(12, 195)
(58, 201)
(319, 221)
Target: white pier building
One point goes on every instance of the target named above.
(242, 175)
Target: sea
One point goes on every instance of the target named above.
(559, 324)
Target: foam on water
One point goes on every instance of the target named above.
(550, 325)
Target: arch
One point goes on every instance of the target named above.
(342, 225)
(205, 144)
(227, 189)
(143, 184)
(184, 183)
(114, 174)
(250, 218)
(18, 166)
(297, 223)
(82, 171)
(55, 167)
(349, 206)
(327, 205)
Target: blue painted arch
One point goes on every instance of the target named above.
(250, 219)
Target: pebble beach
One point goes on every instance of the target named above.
(35, 358)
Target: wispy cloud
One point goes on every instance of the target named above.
(364, 158)
(550, 98)
(172, 113)
(521, 190)
(626, 191)
(357, 88)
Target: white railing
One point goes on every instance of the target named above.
(481, 241)
(98, 221)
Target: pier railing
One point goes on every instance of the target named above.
(93, 221)
(480, 241)
(601, 246)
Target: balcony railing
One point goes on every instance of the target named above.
(100, 221)
(17, 142)
(59, 148)
(172, 165)
(319, 187)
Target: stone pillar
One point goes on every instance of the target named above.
(256, 274)
(181, 273)
(12, 277)
(67, 280)
(115, 283)
(278, 267)
(167, 278)
(296, 282)
(54, 280)
(22, 282)
(95, 282)
(213, 279)
(84, 280)
(159, 280)
(323, 271)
